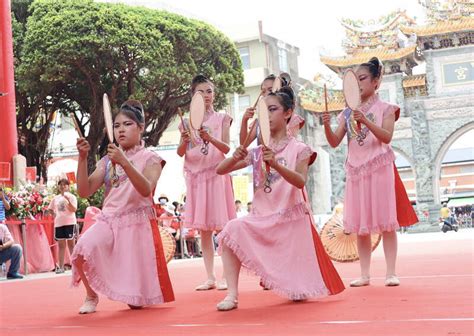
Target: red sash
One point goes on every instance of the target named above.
(406, 215)
(331, 278)
(161, 267)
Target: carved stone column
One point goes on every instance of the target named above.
(426, 208)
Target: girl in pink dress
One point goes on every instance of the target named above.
(294, 125)
(277, 240)
(121, 255)
(371, 194)
(209, 197)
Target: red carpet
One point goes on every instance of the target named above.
(435, 298)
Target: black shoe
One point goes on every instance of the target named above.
(14, 276)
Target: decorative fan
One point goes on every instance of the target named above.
(169, 244)
(342, 246)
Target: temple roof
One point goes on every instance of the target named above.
(364, 55)
(381, 38)
(444, 17)
(411, 81)
(441, 27)
(385, 23)
(312, 99)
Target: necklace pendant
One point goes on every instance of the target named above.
(115, 181)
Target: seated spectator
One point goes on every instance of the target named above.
(10, 251)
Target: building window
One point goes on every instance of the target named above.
(283, 59)
(467, 170)
(244, 102)
(245, 57)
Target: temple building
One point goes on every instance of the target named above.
(428, 72)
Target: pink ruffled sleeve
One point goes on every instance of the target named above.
(100, 166)
(305, 152)
(391, 109)
(295, 124)
(226, 120)
(154, 158)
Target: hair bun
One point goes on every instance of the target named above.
(375, 61)
(375, 67)
(288, 96)
(288, 90)
(199, 79)
(134, 103)
(136, 108)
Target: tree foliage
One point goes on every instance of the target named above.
(70, 52)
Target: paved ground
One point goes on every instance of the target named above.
(435, 298)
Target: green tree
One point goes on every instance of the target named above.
(78, 50)
(34, 108)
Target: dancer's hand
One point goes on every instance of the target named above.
(186, 136)
(326, 119)
(83, 148)
(116, 155)
(240, 153)
(249, 113)
(269, 157)
(359, 117)
(204, 135)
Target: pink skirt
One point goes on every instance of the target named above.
(370, 202)
(120, 260)
(280, 249)
(209, 201)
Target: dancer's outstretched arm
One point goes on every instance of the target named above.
(236, 162)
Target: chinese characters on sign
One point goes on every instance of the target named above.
(458, 73)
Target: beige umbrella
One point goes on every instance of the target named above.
(339, 245)
(169, 244)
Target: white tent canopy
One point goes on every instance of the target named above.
(58, 169)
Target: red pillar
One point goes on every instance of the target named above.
(8, 133)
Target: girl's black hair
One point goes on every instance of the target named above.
(133, 109)
(374, 66)
(63, 181)
(269, 77)
(286, 96)
(199, 79)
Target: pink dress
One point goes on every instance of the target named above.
(209, 196)
(370, 200)
(276, 240)
(122, 256)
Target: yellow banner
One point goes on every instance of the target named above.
(241, 188)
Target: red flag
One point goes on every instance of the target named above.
(71, 176)
(30, 174)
